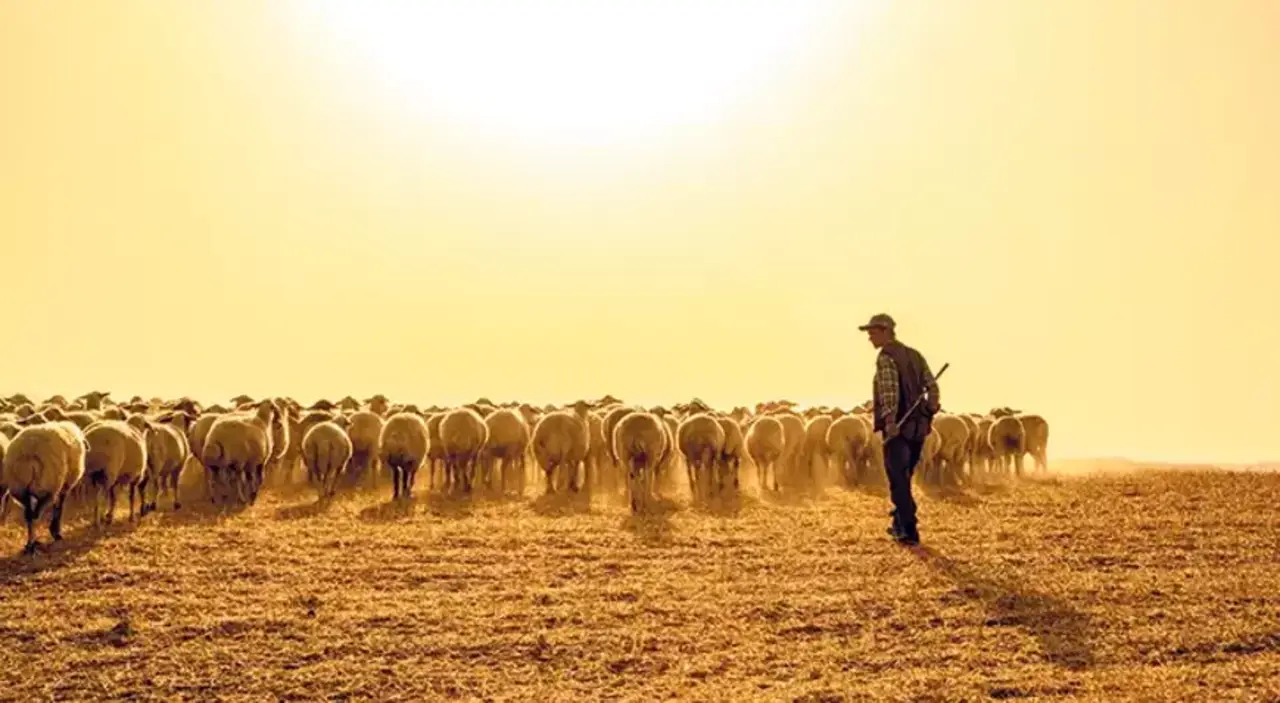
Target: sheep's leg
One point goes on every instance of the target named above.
(505, 475)
(241, 475)
(211, 483)
(55, 520)
(410, 477)
(133, 496)
(173, 490)
(111, 505)
(143, 485)
(260, 476)
(96, 490)
(31, 509)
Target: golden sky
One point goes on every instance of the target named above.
(1077, 204)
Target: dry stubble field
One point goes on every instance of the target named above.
(1151, 585)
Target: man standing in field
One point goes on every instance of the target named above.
(902, 376)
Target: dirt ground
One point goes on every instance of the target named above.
(1142, 585)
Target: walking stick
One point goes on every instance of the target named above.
(913, 406)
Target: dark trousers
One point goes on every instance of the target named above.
(900, 458)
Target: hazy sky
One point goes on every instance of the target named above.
(1075, 202)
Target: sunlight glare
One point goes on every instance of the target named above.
(593, 70)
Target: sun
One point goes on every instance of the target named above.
(571, 70)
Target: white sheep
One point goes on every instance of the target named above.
(505, 451)
(982, 461)
(971, 442)
(561, 440)
(435, 452)
(326, 449)
(766, 444)
(464, 434)
(167, 454)
(238, 448)
(364, 428)
(1036, 430)
(816, 457)
(793, 448)
(4, 492)
(41, 465)
(951, 452)
(850, 440)
(117, 458)
(1007, 443)
(403, 447)
(640, 444)
(701, 440)
(731, 454)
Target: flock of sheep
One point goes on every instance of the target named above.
(91, 448)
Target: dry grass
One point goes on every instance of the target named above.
(1143, 586)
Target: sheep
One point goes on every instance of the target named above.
(117, 457)
(81, 418)
(167, 454)
(326, 449)
(598, 464)
(1036, 430)
(402, 447)
(41, 465)
(951, 450)
(237, 449)
(364, 428)
(1007, 443)
(505, 450)
(273, 469)
(4, 492)
(561, 440)
(378, 404)
(198, 433)
(349, 404)
(671, 455)
(971, 441)
(114, 412)
(766, 443)
(610, 423)
(640, 444)
(435, 451)
(93, 399)
(981, 461)
(464, 435)
(731, 453)
(794, 436)
(816, 456)
(849, 438)
(701, 440)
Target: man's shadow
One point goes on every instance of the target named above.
(1063, 631)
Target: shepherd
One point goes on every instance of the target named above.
(904, 399)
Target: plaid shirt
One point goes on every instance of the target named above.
(887, 386)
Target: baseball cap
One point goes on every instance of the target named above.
(879, 320)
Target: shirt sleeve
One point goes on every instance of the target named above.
(887, 386)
